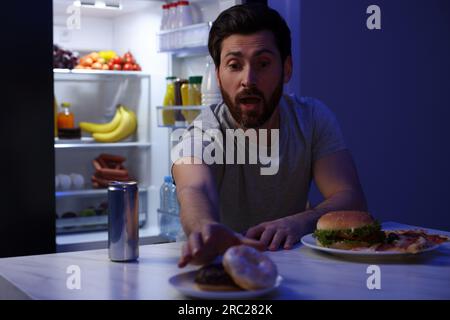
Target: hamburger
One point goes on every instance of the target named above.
(347, 230)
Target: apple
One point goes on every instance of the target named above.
(128, 67)
(105, 67)
(117, 66)
(129, 60)
(116, 60)
(137, 67)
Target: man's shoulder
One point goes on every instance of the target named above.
(304, 103)
(307, 108)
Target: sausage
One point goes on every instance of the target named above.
(96, 164)
(99, 181)
(101, 162)
(110, 178)
(112, 157)
(113, 172)
(95, 184)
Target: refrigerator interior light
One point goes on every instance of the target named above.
(97, 4)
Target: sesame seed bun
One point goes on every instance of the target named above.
(341, 220)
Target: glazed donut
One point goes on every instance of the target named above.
(249, 268)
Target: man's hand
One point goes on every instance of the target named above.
(337, 180)
(202, 247)
(283, 232)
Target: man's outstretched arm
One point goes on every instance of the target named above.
(199, 213)
(197, 194)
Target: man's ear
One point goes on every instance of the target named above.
(287, 69)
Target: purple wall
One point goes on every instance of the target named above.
(390, 90)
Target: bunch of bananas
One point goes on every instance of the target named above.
(120, 127)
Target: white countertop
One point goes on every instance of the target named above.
(307, 274)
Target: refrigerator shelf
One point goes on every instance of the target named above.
(180, 107)
(98, 145)
(186, 41)
(94, 223)
(175, 117)
(82, 74)
(87, 192)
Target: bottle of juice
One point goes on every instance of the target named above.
(65, 118)
(180, 121)
(185, 99)
(194, 98)
(168, 116)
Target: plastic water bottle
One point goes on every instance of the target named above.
(175, 230)
(165, 16)
(169, 219)
(164, 193)
(173, 15)
(184, 14)
(174, 207)
(210, 90)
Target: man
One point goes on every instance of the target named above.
(229, 204)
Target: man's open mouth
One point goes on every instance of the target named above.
(250, 102)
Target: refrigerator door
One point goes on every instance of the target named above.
(27, 212)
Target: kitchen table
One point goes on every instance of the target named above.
(307, 274)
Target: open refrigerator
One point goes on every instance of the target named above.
(121, 26)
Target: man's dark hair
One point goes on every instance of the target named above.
(247, 19)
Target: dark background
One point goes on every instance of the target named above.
(27, 211)
(390, 90)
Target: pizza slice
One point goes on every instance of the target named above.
(410, 241)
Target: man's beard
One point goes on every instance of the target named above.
(253, 118)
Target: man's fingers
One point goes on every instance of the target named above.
(258, 245)
(255, 232)
(267, 236)
(190, 249)
(278, 238)
(195, 243)
(290, 241)
(186, 255)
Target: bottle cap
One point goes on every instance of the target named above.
(168, 179)
(171, 78)
(195, 79)
(65, 104)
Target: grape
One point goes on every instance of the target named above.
(64, 58)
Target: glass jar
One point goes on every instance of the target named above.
(65, 117)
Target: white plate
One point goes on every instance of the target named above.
(309, 241)
(184, 282)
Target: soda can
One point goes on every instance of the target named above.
(123, 221)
